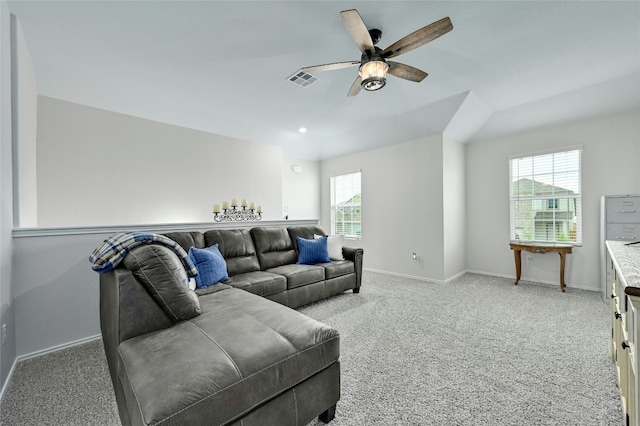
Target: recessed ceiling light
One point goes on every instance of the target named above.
(302, 129)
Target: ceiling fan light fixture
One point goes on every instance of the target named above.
(373, 66)
(373, 74)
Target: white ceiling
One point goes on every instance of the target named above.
(222, 66)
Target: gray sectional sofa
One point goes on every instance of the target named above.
(230, 355)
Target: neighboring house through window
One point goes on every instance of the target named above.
(346, 199)
(545, 197)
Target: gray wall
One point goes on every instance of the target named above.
(610, 165)
(57, 293)
(449, 202)
(403, 199)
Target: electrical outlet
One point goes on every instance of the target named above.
(529, 258)
(4, 333)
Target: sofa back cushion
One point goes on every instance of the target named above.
(163, 276)
(303, 231)
(236, 246)
(212, 268)
(187, 239)
(274, 247)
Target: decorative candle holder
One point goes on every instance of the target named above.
(233, 213)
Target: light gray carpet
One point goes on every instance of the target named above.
(476, 351)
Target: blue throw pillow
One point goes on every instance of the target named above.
(312, 251)
(211, 266)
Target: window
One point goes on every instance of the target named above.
(346, 205)
(545, 197)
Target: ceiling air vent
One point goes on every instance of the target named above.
(302, 78)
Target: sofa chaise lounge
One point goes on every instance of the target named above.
(227, 354)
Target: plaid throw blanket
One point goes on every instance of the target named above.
(111, 252)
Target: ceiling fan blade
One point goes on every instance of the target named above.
(355, 87)
(406, 71)
(331, 67)
(357, 30)
(418, 38)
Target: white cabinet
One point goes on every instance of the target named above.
(623, 231)
(622, 208)
(620, 221)
(623, 274)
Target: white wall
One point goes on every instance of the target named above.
(8, 350)
(97, 167)
(454, 209)
(401, 206)
(25, 104)
(610, 165)
(300, 191)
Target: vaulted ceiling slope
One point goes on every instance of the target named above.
(223, 66)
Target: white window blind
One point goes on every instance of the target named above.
(346, 199)
(545, 197)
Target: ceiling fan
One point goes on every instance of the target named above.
(373, 63)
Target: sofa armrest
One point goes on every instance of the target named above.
(126, 310)
(355, 255)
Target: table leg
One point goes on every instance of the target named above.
(516, 255)
(562, 259)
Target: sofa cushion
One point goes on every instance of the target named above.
(338, 268)
(312, 251)
(304, 231)
(274, 247)
(163, 276)
(232, 369)
(187, 239)
(334, 246)
(300, 275)
(259, 282)
(210, 264)
(212, 289)
(236, 245)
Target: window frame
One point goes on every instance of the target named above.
(356, 208)
(545, 224)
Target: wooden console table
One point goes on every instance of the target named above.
(561, 249)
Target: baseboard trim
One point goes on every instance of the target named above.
(471, 271)
(5, 386)
(40, 353)
(411, 277)
(458, 275)
(491, 274)
(59, 347)
(537, 281)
